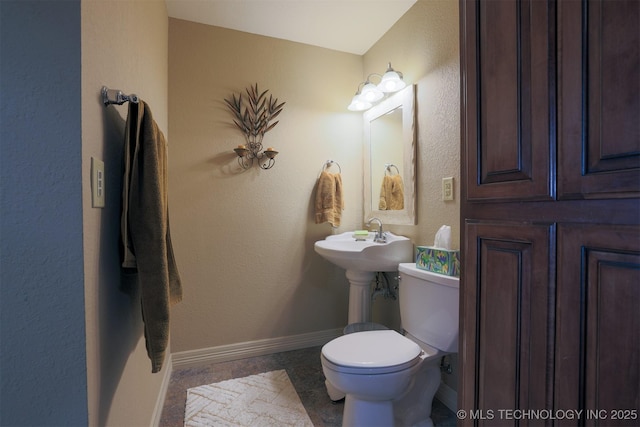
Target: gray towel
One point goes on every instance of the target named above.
(146, 241)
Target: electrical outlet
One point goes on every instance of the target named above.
(447, 188)
(97, 183)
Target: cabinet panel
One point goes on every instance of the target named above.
(598, 345)
(599, 112)
(550, 321)
(506, 69)
(498, 78)
(507, 314)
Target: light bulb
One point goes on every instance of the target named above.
(358, 104)
(391, 81)
(371, 93)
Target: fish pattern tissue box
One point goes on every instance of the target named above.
(438, 260)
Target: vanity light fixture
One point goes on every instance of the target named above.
(253, 116)
(368, 93)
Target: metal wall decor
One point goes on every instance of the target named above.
(254, 115)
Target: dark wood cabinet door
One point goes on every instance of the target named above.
(507, 65)
(598, 323)
(599, 108)
(508, 312)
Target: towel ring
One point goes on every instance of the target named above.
(388, 166)
(329, 163)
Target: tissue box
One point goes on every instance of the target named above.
(438, 260)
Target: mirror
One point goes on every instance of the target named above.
(389, 159)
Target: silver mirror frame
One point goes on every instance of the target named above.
(405, 98)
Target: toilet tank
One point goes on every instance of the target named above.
(429, 306)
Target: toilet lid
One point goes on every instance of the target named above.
(371, 349)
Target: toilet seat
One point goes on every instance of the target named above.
(371, 352)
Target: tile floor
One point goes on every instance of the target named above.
(304, 370)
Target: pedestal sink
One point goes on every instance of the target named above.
(362, 258)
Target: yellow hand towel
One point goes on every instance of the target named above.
(329, 201)
(391, 193)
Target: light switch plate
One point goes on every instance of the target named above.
(447, 188)
(97, 183)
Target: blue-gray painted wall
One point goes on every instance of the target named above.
(42, 316)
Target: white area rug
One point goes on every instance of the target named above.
(261, 400)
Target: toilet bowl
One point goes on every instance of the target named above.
(376, 371)
(390, 379)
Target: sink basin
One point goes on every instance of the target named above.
(345, 251)
(362, 258)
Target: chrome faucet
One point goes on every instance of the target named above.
(380, 237)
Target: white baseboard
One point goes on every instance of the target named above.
(225, 353)
(157, 411)
(448, 396)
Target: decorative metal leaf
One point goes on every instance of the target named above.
(277, 107)
(274, 115)
(271, 126)
(261, 107)
(241, 126)
(262, 94)
(254, 115)
(249, 91)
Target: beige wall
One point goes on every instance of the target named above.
(124, 46)
(424, 45)
(244, 239)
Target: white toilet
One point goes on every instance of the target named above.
(390, 379)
